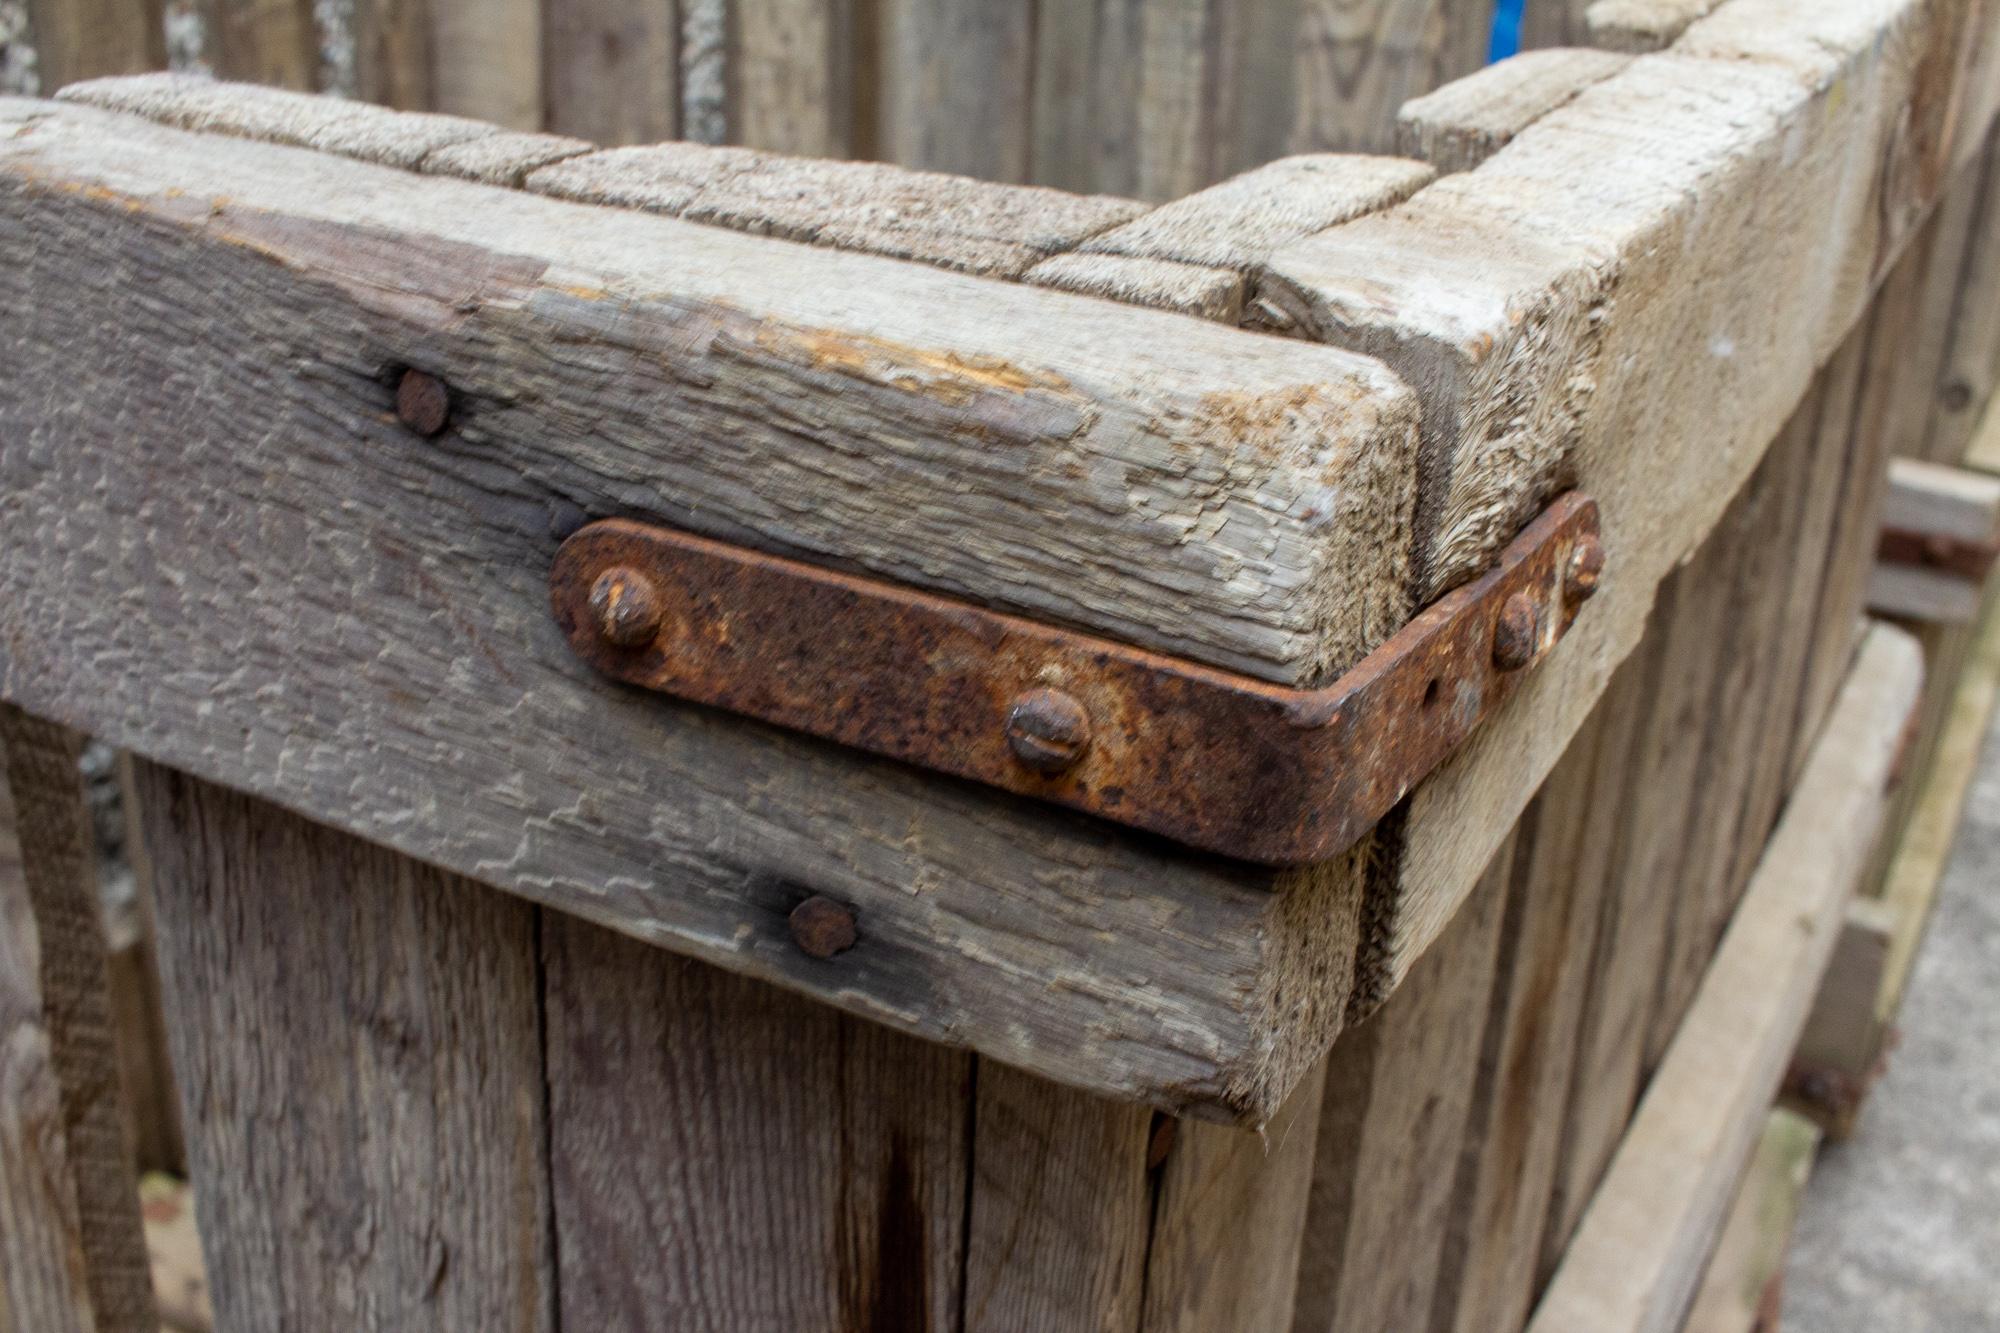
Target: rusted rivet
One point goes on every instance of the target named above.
(626, 606)
(1047, 730)
(822, 927)
(1514, 633)
(1586, 567)
(422, 402)
(1160, 1141)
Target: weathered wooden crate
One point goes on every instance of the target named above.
(495, 988)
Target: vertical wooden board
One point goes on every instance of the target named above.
(730, 1156)
(790, 76)
(1739, 1288)
(488, 57)
(611, 70)
(360, 1056)
(1084, 114)
(262, 41)
(72, 1251)
(1174, 144)
(1971, 369)
(1917, 381)
(1506, 1165)
(1554, 23)
(393, 59)
(87, 39)
(1398, 1092)
(1229, 1221)
(1061, 1210)
(955, 86)
(1254, 49)
(1358, 62)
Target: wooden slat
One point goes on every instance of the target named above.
(478, 58)
(1971, 369)
(1062, 1207)
(1083, 120)
(726, 1156)
(1642, 25)
(359, 1045)
(1359, 62)
(87, 39)
(1399, 1089)
(1739, 1288)
(577, 396)
(1228, 1221)
(612, 70)
(262, 41)
(955, 86)
(1638, 1255)
(72, 1252)
(1468, 120)
(792, 68)
(145, 1066)
(1554, 23)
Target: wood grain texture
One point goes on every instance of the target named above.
(359, 1044)
(1739, 1287)
(144, 1063)
(1460, 125)
(1642, 25)
(1638, 1255)
(611, 70)
(779, 1165)
(793, 66)
(1228, 1222)
(1399, 1089)
(72, 1251)
(262, 41)
(1971, 368)
(1084, 124)
(1554, 23)
(1360, 60)
(1779, 148)
(955, 79)
(88, 39)
(1062, 1208)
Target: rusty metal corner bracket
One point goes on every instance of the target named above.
(1212, 759)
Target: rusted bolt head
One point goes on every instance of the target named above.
(422, 403)
(1586, 567)
(822, 927)
(1047, 730)
(626, 607)
(1514, 634)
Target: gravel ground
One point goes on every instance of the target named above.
(1900, 1227)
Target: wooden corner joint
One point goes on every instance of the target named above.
(1209, 758)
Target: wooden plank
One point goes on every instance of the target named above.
(791, 75)
(262, 41)
(1642, 25)
(1934, 500)
(1529, 300)
(377, 1022)
(1840, 1034)
(1971, 370)
(88, 39)
(1508, 1159)
(1399, 1090)
(72, 1251)
(1983, 453)
(1738, 1292)
(955, 86)
(1554, 23)
(782, 1165)
(1062, 1188)
(1084, 124)
(588, 392)
(1460, 125)
(1637, 1258)
(1173, 117)
(1228, 1221)
(145, 1066)
(478, 58)
(612, 70)
(1357, 62)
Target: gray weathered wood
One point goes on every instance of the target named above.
(262, 41)
(1638, 1256)
(727, 1156)
(792, 74)
(1189, 289)
(1773, 165)
(1642, 25)
(361, 1071)
(955, 80)
(612, 70)
(1460, 125)
(72, 1253)
(465, 730)
(86, 39)
(1359, 60)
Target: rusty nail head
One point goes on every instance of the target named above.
(1047, 730)
(1586, 567)
(422, 402)
(822, 927)
(1514, 633)
(627, 607)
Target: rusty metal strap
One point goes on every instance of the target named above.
(1209, 758)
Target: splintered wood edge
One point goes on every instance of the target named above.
(1636, 1258)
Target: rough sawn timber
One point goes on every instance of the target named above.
(236, 562)
(1642, 332)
